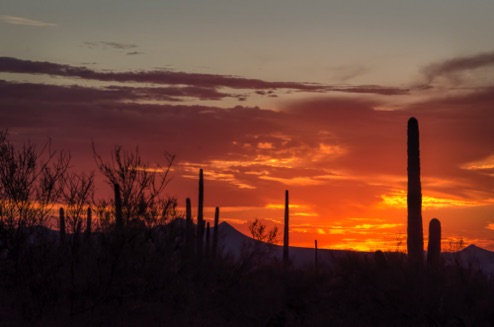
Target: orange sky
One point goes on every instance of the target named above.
(340, 151)
(267, 96)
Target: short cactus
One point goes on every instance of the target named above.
(207, 238)
(316, 256)
(189, 231)
(434, 246)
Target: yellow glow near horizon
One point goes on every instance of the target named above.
(399, 200)
(294, 181)
(152, 169)
(305, 214)
(282, 206)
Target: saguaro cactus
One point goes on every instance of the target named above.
(415, 239)
(189, 232)
(214, 249)
(62, 226)
(207, 238)
(434, 246)
(87, 232)
(118, 209)
(286, 255)
(316, 257)
(200, 215)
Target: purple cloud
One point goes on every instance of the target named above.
(14, 65)
(457, 65)
(11, 91)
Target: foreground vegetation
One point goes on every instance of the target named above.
(145, 278)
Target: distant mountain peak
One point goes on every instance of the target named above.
(472, 248)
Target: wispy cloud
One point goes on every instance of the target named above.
(14, 65)
(74, 93)
(109, 44)
(452, 67)
(24, 21)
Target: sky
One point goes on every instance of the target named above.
(266, 96)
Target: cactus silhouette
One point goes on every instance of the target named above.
(214, 249)
(207, 238)
(316, 257)
(118, 208)
(415, 239)
(87, 232)
(286, 255)
(200, 215)
(434, 246)
(62, 226)
(189, 229)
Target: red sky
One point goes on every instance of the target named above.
(340, 149)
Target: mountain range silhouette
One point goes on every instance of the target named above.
(234, 243)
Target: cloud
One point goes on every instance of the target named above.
(484, 165)
(14, 65)
(134, 53)
(24, 21)
(372, 89)
(452, 67)
(107, 44)
(399, 199)
(30, 92)
(345, 73)
(333, 144)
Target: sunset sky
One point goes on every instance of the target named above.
(309, 96)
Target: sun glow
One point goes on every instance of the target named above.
(398, 199)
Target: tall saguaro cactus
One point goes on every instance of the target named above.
(62, 226)
(415, 239)
(200, 215)
(286, 255)
(434, 246)
(118, 208)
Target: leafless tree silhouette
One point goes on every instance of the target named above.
(141, 183)
(29, 187)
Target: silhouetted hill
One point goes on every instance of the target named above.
(235, 243)
(473, 258)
